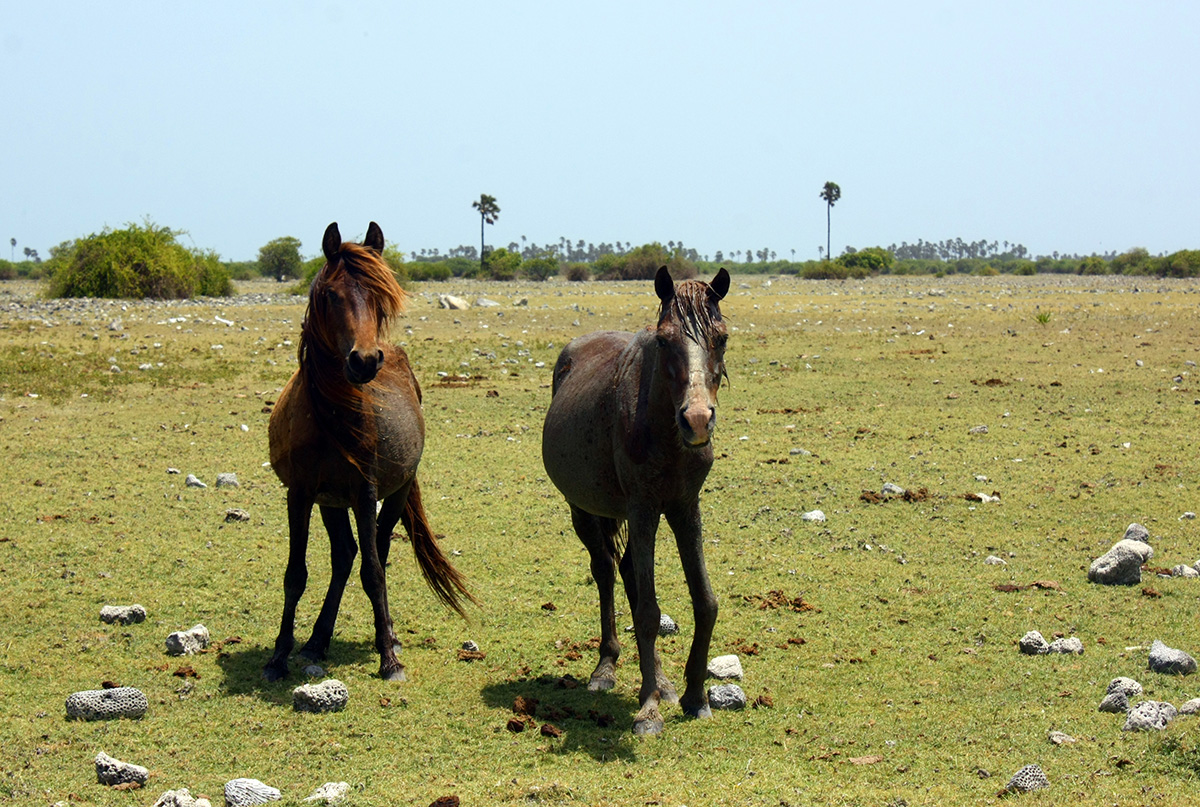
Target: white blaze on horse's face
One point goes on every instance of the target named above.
(693, 371)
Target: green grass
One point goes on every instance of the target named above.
(911, 655)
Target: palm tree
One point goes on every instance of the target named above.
(830, 193)
(489, 211)
(12, 245)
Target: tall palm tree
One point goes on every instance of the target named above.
(489, 211)
(830, 193)
(12, 245)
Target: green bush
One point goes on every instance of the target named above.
(1093, 265)
(1185, 263)
(579, 272)
(831, 270)
(502, 264)
(643, 263)
(540, 268)
(429, 270)
(871, 259)
(136, 262)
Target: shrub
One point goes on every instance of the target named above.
(280, 258)
(1185, 263)
(429, 270)
(579, 272)
(502, 264)
(871, 259)
(540, 268)
(831, 270)
(137, 262)
(1093, 265)
(643, 263)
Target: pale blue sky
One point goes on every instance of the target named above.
(1070, 126)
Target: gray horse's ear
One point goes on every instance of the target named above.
(332, 242)
(720, 284)
(374, 238)
(664, 287)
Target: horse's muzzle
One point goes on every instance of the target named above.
(696, 424)
(363, 365)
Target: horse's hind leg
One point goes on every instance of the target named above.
(666, 690)
(295, 578)
(389, 516)
(597, 535)
(341, 555)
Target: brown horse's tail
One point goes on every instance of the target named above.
(442, 577)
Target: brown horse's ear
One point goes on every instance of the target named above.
(332, 242)
(374, 238)
(720, 284)
(664, 287)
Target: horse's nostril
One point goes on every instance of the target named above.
(378, 358)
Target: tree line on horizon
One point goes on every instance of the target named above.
(148, 261)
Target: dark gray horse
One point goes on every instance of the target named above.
(627, 439)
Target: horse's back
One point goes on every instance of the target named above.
(578, 436)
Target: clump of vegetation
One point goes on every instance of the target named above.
(577, 272)
(642, 263)
(137, 262)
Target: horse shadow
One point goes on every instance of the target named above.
(594, 723)
(242, 666)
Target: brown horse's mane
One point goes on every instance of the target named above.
(693, 308)
(334, 397)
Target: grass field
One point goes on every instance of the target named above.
(903, 684)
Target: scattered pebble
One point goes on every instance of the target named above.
(1127, 685)
(186, 643)
(1149, 716)
(667, 626)
(1115, 703)
(726, 696)
(992, 560)
(1068, 646)
(1183, 570)
(1061, 738)
(330, 793)
(123, 614)
(192, 482)
(1136, 532)
(328, 696)
(111, 771)
(1121, 565)
(247, 792)
(723, 667)
(1169, 661)
(181, 798)
(1033, 644)
(1190, 707)
(892, 489)
(106, 704)
(470, 646)
(813, 515)
(1031, 777)
(227, 480)
(977, 430)
(314, 671)
(236, 514)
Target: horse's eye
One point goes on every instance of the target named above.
(661, 340)
(721, 341)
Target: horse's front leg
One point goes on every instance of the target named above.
(375, 584)
(295, 578)
(643, 527)
(341, 555)
(591, 531)
(666, 690)
(688, 538)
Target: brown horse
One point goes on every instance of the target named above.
(346, 433)
(627, 439)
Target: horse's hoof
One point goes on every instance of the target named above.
(601, 683)
(699, 713)
(273, 674)
(648, 726)
(393, 674)
(312, 654)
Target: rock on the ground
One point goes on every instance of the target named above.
(1069, 646)
(667, 626)
(123, 614)
(892, 489)
(726, 696)
(328, 696)
(193, 482)
(106, 704)
(1115, 703)
(1121, 565)
(181, 798)
(813, 515)
(1183, 570)
(1130, 687)
(1136, 532)
(992, 560)
(314, 671)
(723, 667)
(1169, 661)
(1190, 707)
(1060, 738)
(111, 771)
(1031, 777)
(1033, 644)
(330, 793)
(236, 514)
(484, 302)
(1149, 716)
(227, 480)
(187, 642)
(246, 792)
(453, 303)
